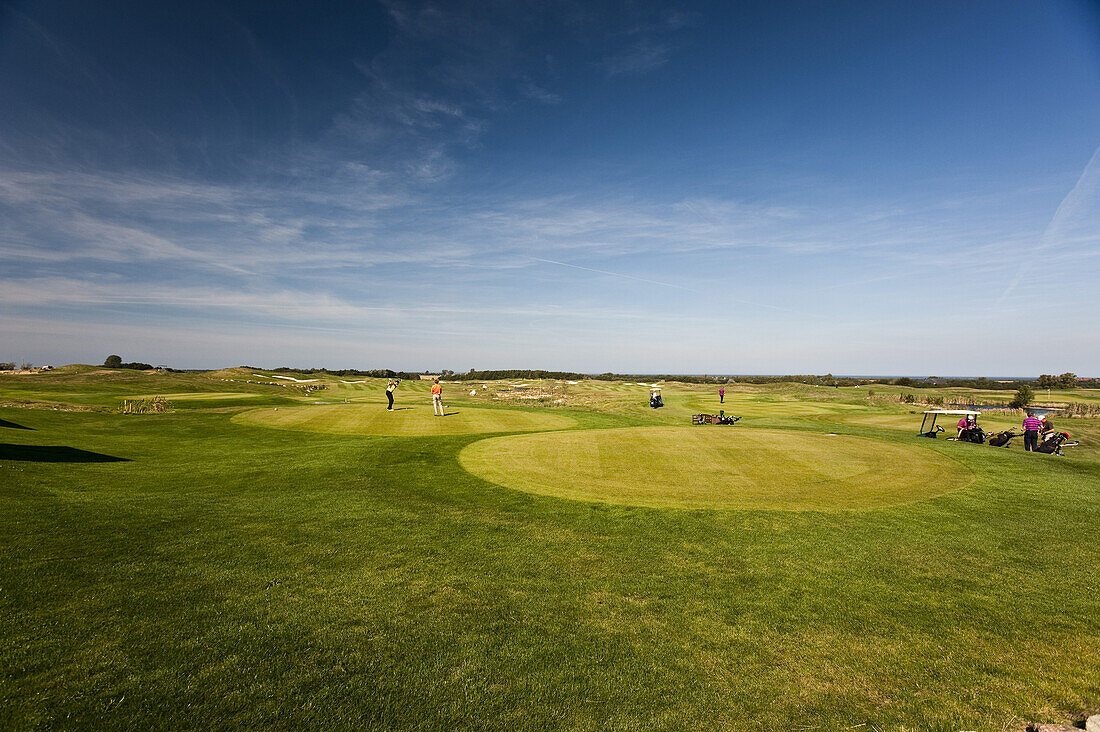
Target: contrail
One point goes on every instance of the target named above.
(1051, 235)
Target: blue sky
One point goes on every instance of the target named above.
(727, 187)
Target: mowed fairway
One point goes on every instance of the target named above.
(404, 421)
(715, 467)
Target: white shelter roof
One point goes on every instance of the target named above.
(952, 411)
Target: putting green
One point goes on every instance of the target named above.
(404, 421)
(715, 467)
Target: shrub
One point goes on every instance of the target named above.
(1023, 397)
(145, 406)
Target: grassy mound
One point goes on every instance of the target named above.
(724, 468)
(404, 421)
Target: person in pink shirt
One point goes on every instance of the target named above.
(1032, 425)
(721, 395)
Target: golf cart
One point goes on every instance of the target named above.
(929, 428)
(655, 397)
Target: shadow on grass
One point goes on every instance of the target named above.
(13, 425)
(54, 454)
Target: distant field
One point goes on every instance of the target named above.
(550, 555)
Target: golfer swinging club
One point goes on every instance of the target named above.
(437, 399)
(389, 392)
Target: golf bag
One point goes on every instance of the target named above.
(1053, 445)
(973, 434)
(1001, 439)
(713, 419)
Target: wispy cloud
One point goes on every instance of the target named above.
(647, 44)
(641, 56)
(275, 307)
(533, 91)
(611, 274)
(256, 232)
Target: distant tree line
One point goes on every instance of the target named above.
(115, 362)
(529, 374)
(1046, 381)
(1065, 381)
(374, 373)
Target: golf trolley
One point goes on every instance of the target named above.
(719, 418)
(1053, 445)
(1001, 439)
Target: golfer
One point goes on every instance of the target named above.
(437, 399)
(1047, 428)
(389, 392)
(1031, 431)
(721, 395)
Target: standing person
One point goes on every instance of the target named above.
(1047, 428)
(437, 399)
(389, 392)
(1031, 431)
(721, 395)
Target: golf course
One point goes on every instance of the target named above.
(265, 551)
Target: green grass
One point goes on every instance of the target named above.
(715, 467)
(405, 420)
(220, 574)
(198, 395)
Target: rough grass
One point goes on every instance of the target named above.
(715, 467)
